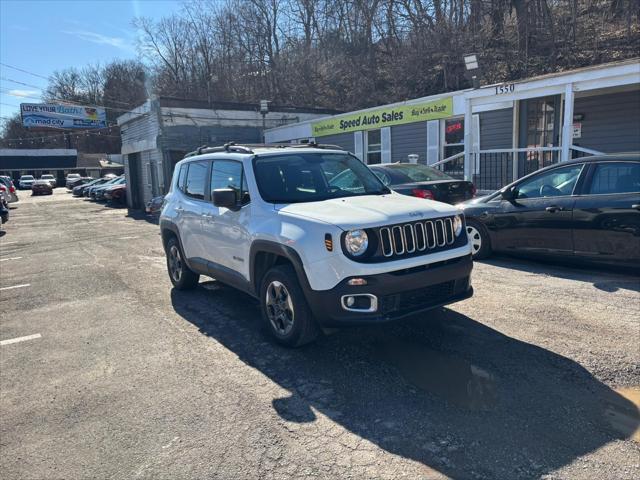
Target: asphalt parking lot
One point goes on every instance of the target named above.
(536, 376)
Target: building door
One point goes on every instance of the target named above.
(134, 183)
(539, 127)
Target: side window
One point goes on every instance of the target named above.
(230, 174)
(623, 177)
(558, 182)
(196, 175)
(181, 175)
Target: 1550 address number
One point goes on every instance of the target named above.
(505, 88)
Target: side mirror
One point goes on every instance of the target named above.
(225, 197)
(509, 194)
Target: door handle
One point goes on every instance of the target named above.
(553, 209)
(179, 209)
(637, 206)
(207, 215)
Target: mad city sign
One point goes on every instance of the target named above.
(42, 115)
(384, 117)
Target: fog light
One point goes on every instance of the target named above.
(357, 281)
(350, 301)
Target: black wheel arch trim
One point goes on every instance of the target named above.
(268, 246)
(173, 228)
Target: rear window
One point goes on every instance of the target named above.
(420, 173)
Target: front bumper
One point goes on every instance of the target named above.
(398, 293)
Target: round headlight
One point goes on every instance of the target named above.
(356, 242)
(457, 225)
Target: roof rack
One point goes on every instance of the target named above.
(232, 147)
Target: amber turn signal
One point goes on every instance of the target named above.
(328, 242)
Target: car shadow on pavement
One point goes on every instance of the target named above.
(606, 278)
(440, 389)
(140, 215)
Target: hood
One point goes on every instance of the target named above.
(368, 210)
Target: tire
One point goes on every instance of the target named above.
(479, 238)
(284, 308)
(181, 276)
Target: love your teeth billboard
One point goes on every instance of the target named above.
(44, 115)
(384, 117)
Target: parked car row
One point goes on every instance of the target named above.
(110, 188)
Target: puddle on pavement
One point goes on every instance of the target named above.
(451, 378)
(623, 412)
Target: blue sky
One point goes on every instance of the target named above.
(42, 36)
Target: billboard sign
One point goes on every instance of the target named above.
(46, 115)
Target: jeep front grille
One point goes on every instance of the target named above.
(416, 237)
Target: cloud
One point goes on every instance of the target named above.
(94, 37)
(24, 93)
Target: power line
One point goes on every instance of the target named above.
(20, 83)
(23, 71)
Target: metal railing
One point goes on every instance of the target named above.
(493, 169)
(452, 166)
(579, 152)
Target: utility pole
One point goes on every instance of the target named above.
(264, 109)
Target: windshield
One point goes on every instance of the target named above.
(26, 177)
(46, 177)
(311, 177)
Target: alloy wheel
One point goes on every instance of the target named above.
(175, 263)
(474, 238)
(279, 308)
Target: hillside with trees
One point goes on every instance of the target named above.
(347, 54)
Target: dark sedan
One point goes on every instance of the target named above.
(41, 187)
(586, 209)
(424, 182)
(76, 182)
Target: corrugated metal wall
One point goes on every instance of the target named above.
(408, 139)
(143, 128)
(344, 140)
(611, 122)
(496, 129)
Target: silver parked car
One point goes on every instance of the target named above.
(49, 178)
(25, 182)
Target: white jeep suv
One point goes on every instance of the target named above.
(314, 235)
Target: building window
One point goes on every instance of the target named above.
(453, 144)
(540, 122)
(374, 147)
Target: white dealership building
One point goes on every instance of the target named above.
(495, 133)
